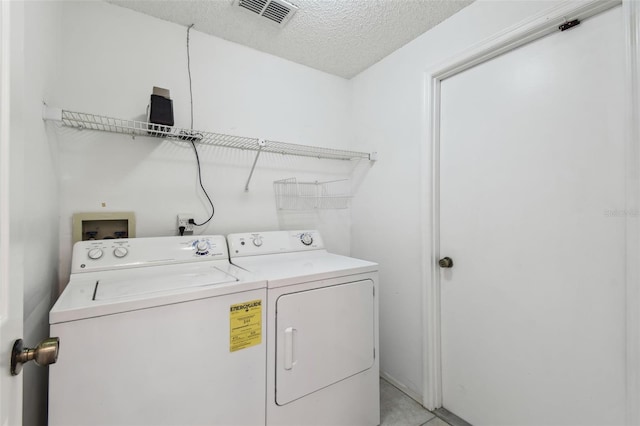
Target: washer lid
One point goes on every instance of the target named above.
(109, 288)
(102, 293)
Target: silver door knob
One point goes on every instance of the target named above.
(44, 354)
(446, 262)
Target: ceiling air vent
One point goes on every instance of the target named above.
(278, 11)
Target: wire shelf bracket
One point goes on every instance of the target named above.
(261, 144)
(80, 120)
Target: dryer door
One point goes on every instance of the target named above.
(323, 336)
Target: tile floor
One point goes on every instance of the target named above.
(397, 409)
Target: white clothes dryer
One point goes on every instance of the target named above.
(158, 331)
(322, 329)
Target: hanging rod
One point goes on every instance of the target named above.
(80, 120)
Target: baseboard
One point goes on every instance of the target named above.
(411, 394)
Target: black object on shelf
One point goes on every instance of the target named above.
(160, 112)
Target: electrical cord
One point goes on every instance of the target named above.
(213, 210)
(189, 72)
(191, 137)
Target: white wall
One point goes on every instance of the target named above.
(40, 219)
(111, 59)
(389, 115)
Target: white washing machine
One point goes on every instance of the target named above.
(158, 331)
(322, 329)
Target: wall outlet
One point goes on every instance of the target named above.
(183, 220)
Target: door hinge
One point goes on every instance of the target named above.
(569, 24)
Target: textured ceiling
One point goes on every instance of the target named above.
(341, 37)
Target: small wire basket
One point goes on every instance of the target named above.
(293, 195)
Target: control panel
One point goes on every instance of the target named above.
(97, 255)
(259, 243)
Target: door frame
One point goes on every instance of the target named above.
(522, 33)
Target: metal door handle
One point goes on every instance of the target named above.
(446, 262)
(44, 354)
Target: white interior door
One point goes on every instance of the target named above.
(532, 214)
(10, 255)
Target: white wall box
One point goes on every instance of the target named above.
(101, 225)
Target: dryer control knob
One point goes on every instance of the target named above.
(257, 241)
(306, 239)
(202, 246)
(95, 253)
(120, 252)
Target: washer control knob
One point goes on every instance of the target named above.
(120, 252)
(95, 253)
(202, 247)
(306, 239)
(257, 241)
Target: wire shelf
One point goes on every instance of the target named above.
(293, 195)
(80, 120)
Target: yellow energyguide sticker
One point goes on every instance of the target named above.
(245, 321)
